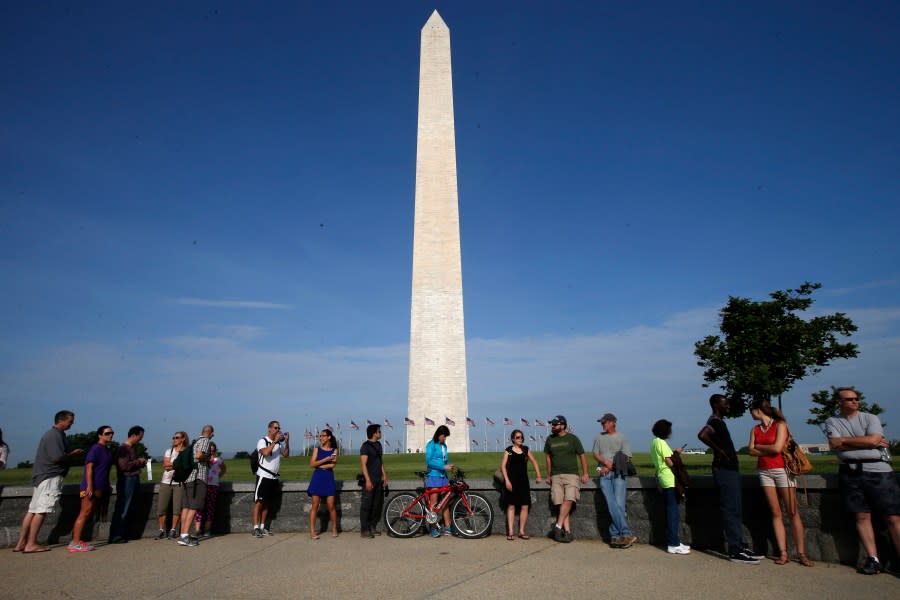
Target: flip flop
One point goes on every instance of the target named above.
(510, 537)
(313, 537)
(524, 536)
(17, 549)
(41, 549)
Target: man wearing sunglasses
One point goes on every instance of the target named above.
(565, 459)
(867, 479)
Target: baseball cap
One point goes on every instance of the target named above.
(607, 417)
(558, 419)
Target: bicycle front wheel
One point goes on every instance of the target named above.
(403, 516)
(475, 519)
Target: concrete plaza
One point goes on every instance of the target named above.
(291, 565)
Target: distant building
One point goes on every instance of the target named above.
(815, 448)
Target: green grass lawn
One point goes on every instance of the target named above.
(477, 465)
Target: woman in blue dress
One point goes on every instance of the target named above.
(323, 460)
(437, 463)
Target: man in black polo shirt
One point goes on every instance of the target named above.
(376, 480)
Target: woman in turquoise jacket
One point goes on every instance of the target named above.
(438, 464)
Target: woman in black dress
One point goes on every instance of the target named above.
(514, 467)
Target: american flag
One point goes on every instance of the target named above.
(387, 444)
(539, 423)
(470, 422)
(474, 442)
(354, 426)
(525, 422)
(532, 438)
(428, 421)
(449, 421)
(507, 421)
(489, 421)
(388, 424)
(408, 422)
(327, 426)
(307, 435)
(368, 422)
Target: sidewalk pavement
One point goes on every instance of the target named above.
(290, 565)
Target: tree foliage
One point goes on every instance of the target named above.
(828, 406)
(242, 454)
(765, 346)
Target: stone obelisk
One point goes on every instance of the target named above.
(437, 343)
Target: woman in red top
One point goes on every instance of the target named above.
(767, 440)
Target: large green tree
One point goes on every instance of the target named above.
(766, 346)
(827, 406)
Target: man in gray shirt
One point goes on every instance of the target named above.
(611, 449)
(47, 474)
(867, 479)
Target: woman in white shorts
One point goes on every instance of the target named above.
(767, 441)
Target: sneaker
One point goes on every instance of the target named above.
(375, 532)
(79, 547)
(265, 531)
(679, 549)
(257, 532)
(161, 535)
(743, 558)
(366, 534)
(559, 534)
(627, 541)
(567, 536)
(204, 536)
(188, 541)
(435, 532)
(449, 531)
(749, 552)
(173, 535)
(871, 567)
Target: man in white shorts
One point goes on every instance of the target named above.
(50, 468)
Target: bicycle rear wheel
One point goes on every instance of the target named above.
(403, 516)
(476, 520)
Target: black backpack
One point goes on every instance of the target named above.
(183, 465)
(254, 460)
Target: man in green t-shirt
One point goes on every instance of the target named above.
(564, 454)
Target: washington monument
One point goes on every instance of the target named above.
(437, 342)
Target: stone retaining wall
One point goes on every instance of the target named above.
(830, 533)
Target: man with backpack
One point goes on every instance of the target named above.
(194, 485)
(267, 455)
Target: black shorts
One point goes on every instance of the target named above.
(195, 495)
(266, 489)
(868, 492)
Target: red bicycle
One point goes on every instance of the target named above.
(471, 514)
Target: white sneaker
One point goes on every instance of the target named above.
(679, 549)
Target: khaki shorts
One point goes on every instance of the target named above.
(565, 487)
(45, 495)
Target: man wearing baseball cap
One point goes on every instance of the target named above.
(564, 454)
(612, 453)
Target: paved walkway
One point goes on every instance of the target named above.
(290, 565)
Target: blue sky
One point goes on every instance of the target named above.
(207, 208)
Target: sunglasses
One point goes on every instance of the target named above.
(108, 433)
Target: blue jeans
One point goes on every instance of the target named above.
(729, 483)
(126, 488)
(673, 517)
(613, 488)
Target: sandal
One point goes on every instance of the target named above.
(782, 558)
(524, 536)
(805, 561)
(510, 536)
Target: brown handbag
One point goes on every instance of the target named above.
(795, 460)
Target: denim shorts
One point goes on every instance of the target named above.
(863, 492)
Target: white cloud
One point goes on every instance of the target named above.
(232, 303)
(640, 374)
